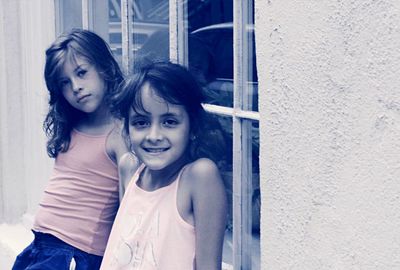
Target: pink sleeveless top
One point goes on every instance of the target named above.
(149, 232)
(81, 199)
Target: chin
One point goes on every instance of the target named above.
(150, 162)
(154, 164)
(155, 167)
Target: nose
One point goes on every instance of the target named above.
(154, 134)
(76, 86)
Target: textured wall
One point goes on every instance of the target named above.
(12, 196)
(329, 75)
(26, 30)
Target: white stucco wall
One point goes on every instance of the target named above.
(11, 117)
(26, 30)
(329, 75)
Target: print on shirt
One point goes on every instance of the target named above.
(135, 248)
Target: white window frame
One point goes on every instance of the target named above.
(242, 169)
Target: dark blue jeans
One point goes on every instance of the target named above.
(47, 252)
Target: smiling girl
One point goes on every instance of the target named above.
(174, 211)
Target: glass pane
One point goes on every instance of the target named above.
(210, 39)
(210, 42)
(104, 20)
(223, 127)
(70, 15)
(250, 93)
(115, 36)
(252, 143)
(150, 29)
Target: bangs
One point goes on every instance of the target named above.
(137, 104)
(161, 92)
(75, 50)
(53, 70)
(166, 91)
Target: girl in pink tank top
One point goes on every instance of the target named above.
(80, 202)
(173, 213)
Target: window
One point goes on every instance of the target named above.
(215, 39)
(219, 48)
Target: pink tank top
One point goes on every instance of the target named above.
(149, 232)
(81, 199)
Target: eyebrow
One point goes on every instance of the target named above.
(78, 67)
(172, 114)
(82, 66)
(146, 114)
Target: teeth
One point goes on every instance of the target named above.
(155, 150)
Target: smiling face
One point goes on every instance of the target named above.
(159, 134)
(81, 85)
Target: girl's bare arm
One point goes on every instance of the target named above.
(127, 166)
(209, 209)
(119, 152)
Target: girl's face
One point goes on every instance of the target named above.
(81, 85)
(160, 134)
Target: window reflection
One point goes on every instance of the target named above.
(150, 28)
(211, 58)
(210, 55)
(250, 131)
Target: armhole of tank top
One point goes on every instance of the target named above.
(135, 177)
(107, 135)
(176, 188)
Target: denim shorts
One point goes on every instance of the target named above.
(47, 252)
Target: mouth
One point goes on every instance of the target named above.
(82, 98)
(155, 150)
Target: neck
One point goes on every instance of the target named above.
(155, 179)
(97, 122)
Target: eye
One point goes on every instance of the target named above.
(140, 123)
(170, 122)
(63, 83)
(81, 73)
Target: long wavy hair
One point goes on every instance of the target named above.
(62, 117)
(176, 85)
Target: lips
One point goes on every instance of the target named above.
(82, 98)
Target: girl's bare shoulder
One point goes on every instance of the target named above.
(202, 166)
(116, 144)
(117, 127)
(127, 166)
(128, 162)
(202, 172)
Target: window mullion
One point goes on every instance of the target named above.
(126, 31)
(178, 36)
(59, 17)
(241, 164)
(173, 30)
(87, 14)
